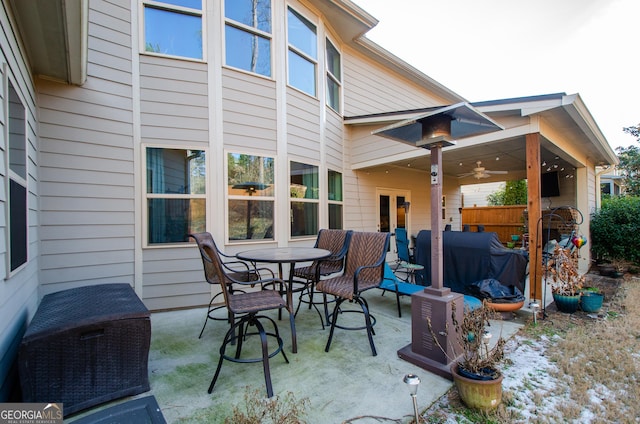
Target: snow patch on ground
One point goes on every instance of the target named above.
(529, 376)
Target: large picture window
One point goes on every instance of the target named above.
(251, 191)
(334, 77)
(175, 194)
(304, 199)
(248, 35)
(303, 52)
(174, 27)
(335, 199)
(18, 238)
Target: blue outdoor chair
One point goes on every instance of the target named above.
(401, 288)
(406, 260)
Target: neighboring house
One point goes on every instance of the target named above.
(476, 194)
(128, 124)
(611, 182)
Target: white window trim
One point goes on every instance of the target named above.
(302, 199)
(251, 30)
(301, 53)
(146, 195)
(335, 202)
(228, 196)
(333, 77)
(11, 175)
(173, 8)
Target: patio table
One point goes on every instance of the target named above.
(283, 255)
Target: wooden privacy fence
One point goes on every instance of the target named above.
(503, 220)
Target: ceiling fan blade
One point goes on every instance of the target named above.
(497, 172)
(468, 174)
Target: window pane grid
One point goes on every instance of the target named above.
(249, 13)
(303, 53)
(175, 194)
(248, 35)
(251, 197)
(247, 51)
(173, 30)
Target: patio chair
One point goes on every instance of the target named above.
(363, 270)
(246, 307)
(401, 288)
(337, 242)
(239, 270)
(406, 260)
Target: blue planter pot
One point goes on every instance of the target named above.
(567, 304)
(591, 302)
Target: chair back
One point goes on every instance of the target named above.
(214, 270)
(402, 245)
(337, 242)
(366, 257)
(206, 245)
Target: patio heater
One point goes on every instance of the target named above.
(434, 130)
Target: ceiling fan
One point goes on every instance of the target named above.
(480, 172)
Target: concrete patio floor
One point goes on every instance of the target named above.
(346, 383)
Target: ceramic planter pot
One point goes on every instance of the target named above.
(606, 270)
(591, 301)
(483, 395)
(567, 304)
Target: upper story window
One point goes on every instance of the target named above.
(175, 194)
(174, 28)
(17, 232)
(248, 35)
(303, 52)
(304, 199)
(335, 199)
(251, 191)
(334, 77)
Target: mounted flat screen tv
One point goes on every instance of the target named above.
(550, 184)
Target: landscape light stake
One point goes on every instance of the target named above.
(486, 339)
(413, 381)
(534, 309)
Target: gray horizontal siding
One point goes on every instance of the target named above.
(371, 89)
(173, 101)
(174, 278)
(248, 111)
(87, 162)
(334, 141)
(303, 125)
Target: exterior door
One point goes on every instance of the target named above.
(393, 212)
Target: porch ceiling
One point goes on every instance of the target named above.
(556, 117)
(503, 155)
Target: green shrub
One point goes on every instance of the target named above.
(615, 229)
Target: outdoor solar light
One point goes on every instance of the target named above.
(534, 309)
(486, 339)
(413, 381)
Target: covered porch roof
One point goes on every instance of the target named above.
(570, 138)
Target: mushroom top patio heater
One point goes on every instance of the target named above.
(434, 306)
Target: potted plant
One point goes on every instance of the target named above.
(475, 372)
(565, 280)
(591, 299)
(619, 266)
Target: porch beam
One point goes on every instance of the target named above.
(534, 215)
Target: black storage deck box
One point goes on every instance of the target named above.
(86, 346)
